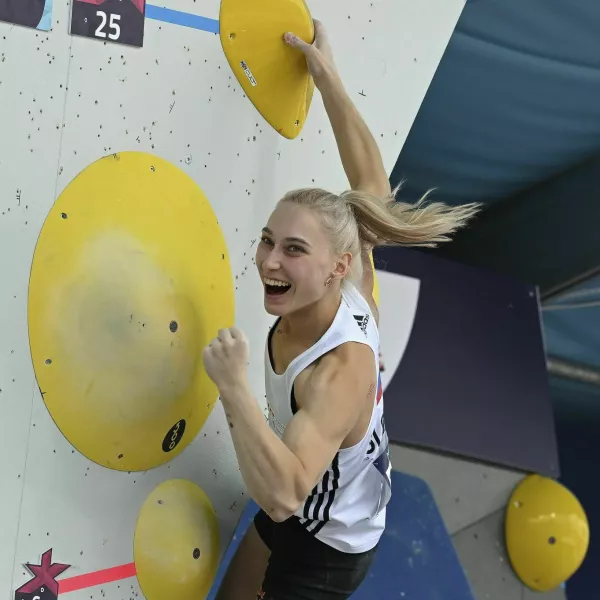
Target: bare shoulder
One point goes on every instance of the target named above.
(346, 372)
(351, 359)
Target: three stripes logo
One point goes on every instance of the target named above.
(318, 505)
(362, 321)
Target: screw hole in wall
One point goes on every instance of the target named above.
(196, 553)
(63, 215)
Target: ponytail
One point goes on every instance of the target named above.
(387, 222)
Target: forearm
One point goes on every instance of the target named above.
(269, 468)
(358, 149)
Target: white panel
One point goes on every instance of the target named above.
(72, 100)
(482, 552)
(464, 491)
(399, 298)
(87, 513)
(33, 75)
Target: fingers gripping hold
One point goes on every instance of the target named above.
(319, 56)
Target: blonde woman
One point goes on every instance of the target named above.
(319, 470)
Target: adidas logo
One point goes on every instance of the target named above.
(362, 321)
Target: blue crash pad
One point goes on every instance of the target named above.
(416, 559)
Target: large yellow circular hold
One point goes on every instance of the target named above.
(130, 280)
(547, 533)
(176, 544)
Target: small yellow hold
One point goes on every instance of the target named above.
(176, 543)
(547, 533)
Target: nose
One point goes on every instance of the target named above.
(271, 260)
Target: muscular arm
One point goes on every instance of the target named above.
(360, 157)
(280, 474)
(358, 149)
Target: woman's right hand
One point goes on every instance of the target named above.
(319, 56)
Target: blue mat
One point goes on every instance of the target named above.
(416, 559)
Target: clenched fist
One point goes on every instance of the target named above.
(226, 358)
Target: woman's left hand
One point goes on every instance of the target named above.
(226, 359)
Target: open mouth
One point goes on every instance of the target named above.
(274, 287)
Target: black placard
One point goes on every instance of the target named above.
(120, 21)
(174, 436)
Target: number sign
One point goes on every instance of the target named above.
(119, 21)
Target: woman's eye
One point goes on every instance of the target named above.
(296, 249)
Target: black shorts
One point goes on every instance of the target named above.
(301, 567)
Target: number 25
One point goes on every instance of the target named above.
(112, 25)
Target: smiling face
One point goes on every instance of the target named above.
(295, 259)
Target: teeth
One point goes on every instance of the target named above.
(276, 283)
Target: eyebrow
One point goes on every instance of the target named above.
(288, 239)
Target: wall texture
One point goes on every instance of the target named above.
(68, 101)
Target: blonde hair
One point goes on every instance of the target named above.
(355, 220)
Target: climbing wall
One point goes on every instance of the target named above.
(159, 146)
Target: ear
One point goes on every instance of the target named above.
(342, 265)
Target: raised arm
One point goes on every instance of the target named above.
(358, 149)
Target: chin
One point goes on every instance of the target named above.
(278, 306)
(276, 311)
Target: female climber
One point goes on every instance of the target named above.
(319, 470)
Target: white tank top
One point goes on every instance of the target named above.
(346, 509)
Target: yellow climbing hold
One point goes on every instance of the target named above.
(176, 543)
(274, 76)
(130, 280)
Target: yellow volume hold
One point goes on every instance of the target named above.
(130, 280)
(274, 76)
(176, 543)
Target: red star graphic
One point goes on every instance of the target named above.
(44, 575)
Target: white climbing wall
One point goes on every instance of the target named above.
(66, 101)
